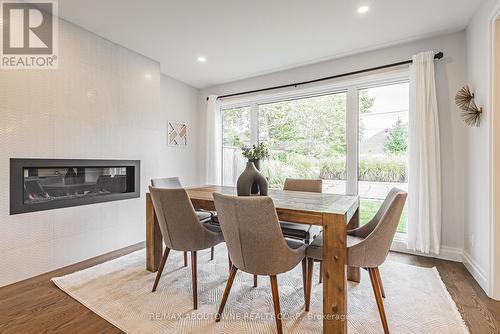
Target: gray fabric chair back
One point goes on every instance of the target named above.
(253, 235)
(373, 250)
(167, 182)
(179, 224)
(307, 185)
(368, 228)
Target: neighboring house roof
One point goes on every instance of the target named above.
(375, 143)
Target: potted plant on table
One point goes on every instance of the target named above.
(255, 153)
(251, 181)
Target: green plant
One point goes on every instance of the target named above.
(333, 168)
(312, 127)
(397, 140)
(255, 152)
(276, 172)
(371, 168)
(305, 167)
(236, 126)
(384, 169)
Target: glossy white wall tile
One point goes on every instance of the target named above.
(99, 104)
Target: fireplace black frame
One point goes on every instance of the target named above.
(17, 166)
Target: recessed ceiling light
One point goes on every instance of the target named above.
(148, 76)
(363, 9)
(202, 59)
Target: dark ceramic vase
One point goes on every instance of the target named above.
(256, 163)
(255, 185)
(248, 178)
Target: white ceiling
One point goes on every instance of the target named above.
(243, 38)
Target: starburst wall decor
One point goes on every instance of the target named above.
(469, 111)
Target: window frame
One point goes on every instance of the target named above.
(351, 86)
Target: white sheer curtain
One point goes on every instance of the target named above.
(424, 186)
(214, 141)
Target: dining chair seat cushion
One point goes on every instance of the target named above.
(315, 249)
(204, 215)
(300, 231)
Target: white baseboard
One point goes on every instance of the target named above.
(476, 271)
(447, 253)
(450, 254)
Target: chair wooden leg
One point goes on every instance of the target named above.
(185, 259)
(212, 254)
(276, 301)
(254, 281)
(304, 275)
(310, 269)
(160, 268)
(378, 298)
(380, 282)
(194, 279)
(229, 284)
(320, 272)
(229, 262)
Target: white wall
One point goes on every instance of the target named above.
(478, 187)
(179, 102)
(99, 104)
(450, 76)
(495, 142)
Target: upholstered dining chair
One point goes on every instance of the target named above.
(368, 246)
(203, 216)
(303, 232)
(181, 229)
(255, 243)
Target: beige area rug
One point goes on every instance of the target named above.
(120, 292)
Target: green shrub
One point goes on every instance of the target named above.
(279, 155)
(305, 167)
(391, 169)
(276, 172)
(282, 164)
(387, 169)
(333, 169)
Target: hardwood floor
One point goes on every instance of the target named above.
(36, 305)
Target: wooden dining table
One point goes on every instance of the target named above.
(336, 213)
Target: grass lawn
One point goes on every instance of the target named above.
(368, 208)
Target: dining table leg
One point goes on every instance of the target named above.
(154, 241)
(335, 273)
(354, 273)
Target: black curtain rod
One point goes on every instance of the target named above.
(438, 55)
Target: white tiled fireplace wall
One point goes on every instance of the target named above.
(104, 102)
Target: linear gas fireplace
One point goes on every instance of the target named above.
(44, 184)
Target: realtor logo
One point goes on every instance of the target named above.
(29, 34)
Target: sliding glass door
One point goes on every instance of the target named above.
(355, 139)
(383, 146)
(306, 139)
